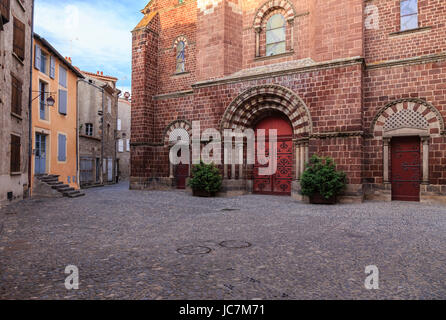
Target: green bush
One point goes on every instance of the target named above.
(321, 177)
(205, 177)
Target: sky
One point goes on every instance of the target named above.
(94, 33)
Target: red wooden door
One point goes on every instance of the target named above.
(278, 183)
(406, 169)
(181, 174)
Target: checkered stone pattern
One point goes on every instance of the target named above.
(408, 113)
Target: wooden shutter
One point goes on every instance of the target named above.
(37, 57)
(63, 102)
(52, 67)
(16, 95)
(4, 10)
(62, 77)
(19, 39)
(15, 153)
(62, 147)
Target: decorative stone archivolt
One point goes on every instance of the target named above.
(175, 128)
(269, 5)
(250, 104)
(408, 117)
(263, 100)
(180, 39)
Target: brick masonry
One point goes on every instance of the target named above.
(342, 74)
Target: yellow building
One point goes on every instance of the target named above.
(54, 115)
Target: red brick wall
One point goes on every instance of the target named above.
(384, 85)
(380, 45)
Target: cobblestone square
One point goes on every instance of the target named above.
(170, 245)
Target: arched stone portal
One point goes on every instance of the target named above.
(261, 102)
(402, 125)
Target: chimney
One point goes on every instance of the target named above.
(102, 73)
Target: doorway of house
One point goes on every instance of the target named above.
(278, 183)
(406, 168)
(40, 154)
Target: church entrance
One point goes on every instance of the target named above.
(278, 183)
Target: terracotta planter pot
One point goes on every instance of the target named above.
(202, 193)
(319, 199)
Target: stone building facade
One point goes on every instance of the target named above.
(15, 63)
(98, 111)
(123, 138)
(360, 81)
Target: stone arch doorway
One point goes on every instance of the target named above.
(406, 128)
(278, 183)
(175, 131)
(255, 104)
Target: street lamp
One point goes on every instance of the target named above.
(49, 101)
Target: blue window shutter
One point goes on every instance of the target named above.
(52, 67)
(62, 155)
(37, 57)
(63, 102)
(62, 77)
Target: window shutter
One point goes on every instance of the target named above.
(63, 102)
(16, 95)
(19, 39)
(128, 144)
(15, 153)
(62, 77)
(62, 148)
(38, 57)
(52, 67)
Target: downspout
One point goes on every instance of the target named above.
(30, 128)
(77, 134)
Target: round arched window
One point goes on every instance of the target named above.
(181, 60)
(276, 35)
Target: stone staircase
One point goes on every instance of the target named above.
(49, 185)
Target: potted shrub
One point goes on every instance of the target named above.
(321, 182)
(206, 180)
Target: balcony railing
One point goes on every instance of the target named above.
(4, 9)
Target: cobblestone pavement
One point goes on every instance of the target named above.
(169, 245)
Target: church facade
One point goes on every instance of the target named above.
(363, 82)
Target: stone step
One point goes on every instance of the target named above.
(60, 186)
(65, 190)
(74, 194)
(54, 183)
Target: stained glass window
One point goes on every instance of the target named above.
(181, 61)
(409, 14)
(275, 35)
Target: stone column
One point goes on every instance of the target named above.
(170, 170)
(297, 160)
(386, 142)
(241, 162)
(291, 26)
(302, 158)
(425, 141)
(258, 29)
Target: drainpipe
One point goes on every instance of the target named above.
(30, 128)
(77, 134)
(102, 140)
